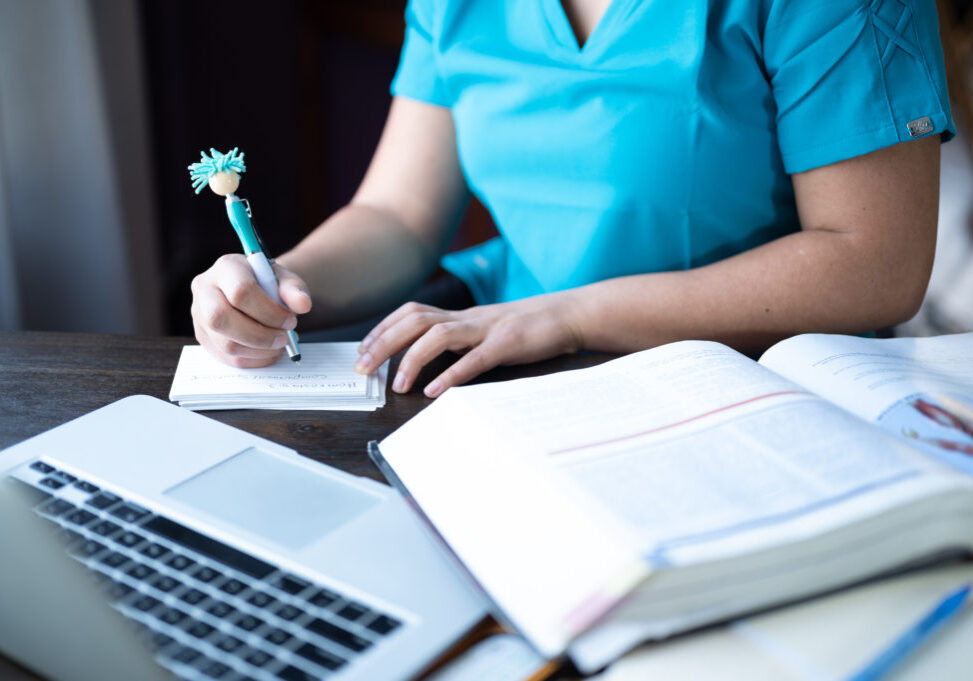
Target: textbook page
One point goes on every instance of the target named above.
(918, 389)
(680, 454)
(700, 451)
(323, 380)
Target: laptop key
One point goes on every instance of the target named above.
(114, 559)
(339, 635)
(42, 467)
(186, 655)
(288, 612)
(155, 551)
(86, 486)
(290, 584)
(52, 483)
(171, 616)
(87, 549)
(165, 583)
(206, 574)
(215, 670)
(140, 572)
(353, 611)
(103, 500)
(161, 640)
(249, 622)
(383, 624)
(323, 598)
(278, 637)
(105, 528)
(129, 513)
(257, 658)
(320, 657)
(233, 586)
(292, 673)
(193, 596)
(261, 599)
(145, 603)
(228, 644)
(180, 562)
(221, 610)
(129, 539)
(80, 517)
(199, 629)
(117, 591)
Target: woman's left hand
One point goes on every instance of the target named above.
(518, 332)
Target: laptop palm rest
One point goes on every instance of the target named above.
(262, 493)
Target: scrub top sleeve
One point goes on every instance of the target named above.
(852, 76)
(417, 76)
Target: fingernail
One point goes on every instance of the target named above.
(363, 346)
(399, 385)
(279, 342)
(434, 388)
(362, 365)
(290, 324)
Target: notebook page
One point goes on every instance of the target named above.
(325, 376)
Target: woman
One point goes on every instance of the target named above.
(736, 170)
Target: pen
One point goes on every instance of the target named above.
(221, 173)
(903, 646)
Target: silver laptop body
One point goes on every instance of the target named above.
(238, 557)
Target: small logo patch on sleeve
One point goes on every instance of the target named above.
(920, 126)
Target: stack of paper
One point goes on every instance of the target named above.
(324, 380)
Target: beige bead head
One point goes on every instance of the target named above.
(220, 171)
(224, 182)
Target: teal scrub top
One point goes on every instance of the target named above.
(666, 141)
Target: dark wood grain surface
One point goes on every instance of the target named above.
(49, 378)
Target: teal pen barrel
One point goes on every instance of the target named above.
(237, 212)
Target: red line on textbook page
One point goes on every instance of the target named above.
(678, 423)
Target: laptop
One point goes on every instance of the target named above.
(235, 557)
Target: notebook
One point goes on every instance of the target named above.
(323, 380)
(236, 557)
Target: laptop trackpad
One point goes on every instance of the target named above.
(270, 496)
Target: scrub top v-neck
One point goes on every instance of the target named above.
(666, 140)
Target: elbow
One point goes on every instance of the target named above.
(899, 294)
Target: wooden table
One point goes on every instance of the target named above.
(49, 378)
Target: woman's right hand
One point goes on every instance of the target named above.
(236, 321)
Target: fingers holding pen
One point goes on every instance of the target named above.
(235, 320)
(235, 280)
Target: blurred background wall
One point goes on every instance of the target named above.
(103, 104)
(77, 215)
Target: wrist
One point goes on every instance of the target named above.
(570, 312)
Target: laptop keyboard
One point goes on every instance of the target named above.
(210, 610)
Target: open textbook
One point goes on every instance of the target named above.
(688, 484)
(323, 380)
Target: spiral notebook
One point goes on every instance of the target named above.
(324, 380)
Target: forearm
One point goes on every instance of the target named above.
(360, 261)
(811, 281)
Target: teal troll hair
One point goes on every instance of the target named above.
(200, 173)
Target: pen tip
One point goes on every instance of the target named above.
(296, 358)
